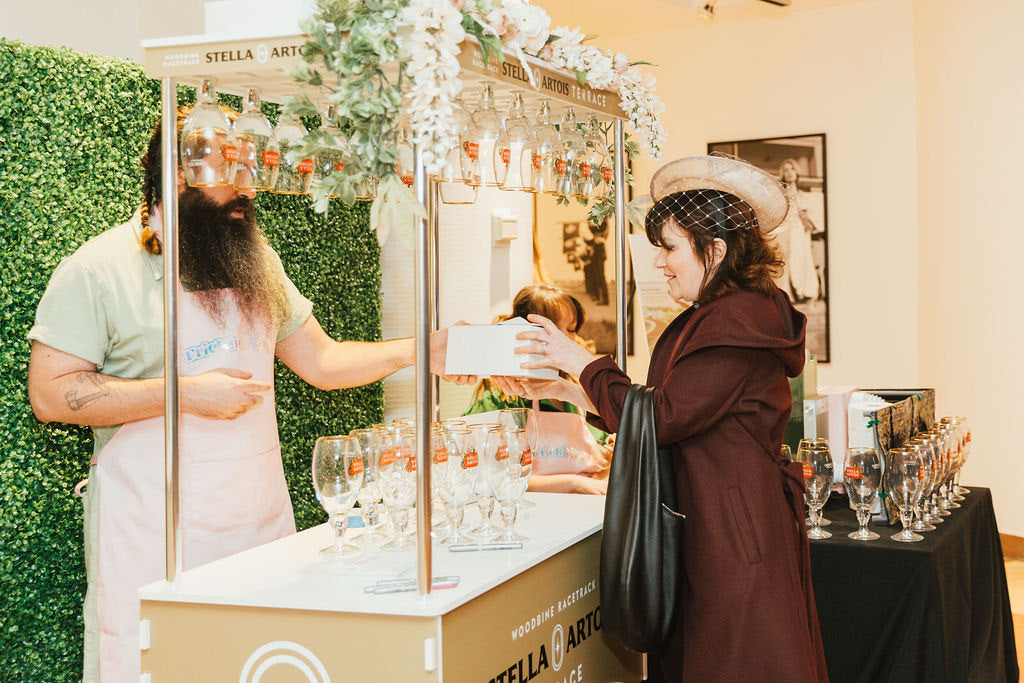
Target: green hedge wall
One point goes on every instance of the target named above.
(72, 130)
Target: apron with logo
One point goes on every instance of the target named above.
(564, 444)
(233, 494)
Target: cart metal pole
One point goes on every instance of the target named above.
(169, 247)
(424, 411)
(620, 246)
(434, 197)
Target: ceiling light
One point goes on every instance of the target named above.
(707, 12)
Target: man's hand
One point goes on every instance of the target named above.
(221, 394)
(439, 353)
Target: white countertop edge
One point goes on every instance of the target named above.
(224, 582)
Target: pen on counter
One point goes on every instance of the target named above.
(407, 585)
(473, 547)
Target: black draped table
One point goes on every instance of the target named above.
(936, 610)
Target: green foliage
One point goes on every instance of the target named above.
(353, 41)
(72, 128)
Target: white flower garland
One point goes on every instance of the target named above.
(433, 69)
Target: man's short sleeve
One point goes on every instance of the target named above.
(71, 316)
(299, 308)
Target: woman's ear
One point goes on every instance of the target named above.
(718, 251)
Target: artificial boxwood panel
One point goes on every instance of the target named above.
(72, 130)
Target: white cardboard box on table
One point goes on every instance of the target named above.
(486, 350)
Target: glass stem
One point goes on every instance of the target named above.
(401, 517)
(863, 514)
(508, 516)
(486, 510)
(451, 513)
(339, 523)
(905, 519)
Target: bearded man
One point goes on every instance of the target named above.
(97, 360)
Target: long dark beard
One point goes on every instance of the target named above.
(219, 252)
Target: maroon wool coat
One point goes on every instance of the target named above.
(721, 404)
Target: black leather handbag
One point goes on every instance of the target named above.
(642, 546)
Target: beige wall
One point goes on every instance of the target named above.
(105, 27)
(847, 71)
(970, 146)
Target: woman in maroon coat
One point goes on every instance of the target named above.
(721, 404)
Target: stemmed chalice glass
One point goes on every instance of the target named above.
(477, 444)
(507, 471)
(821, 443)
(293, 176)
(369, 498)
(933, 512)
(525, 419)
(921, 511)
(208, 148)
(904, 481)
(258, 152)
(460, 481)
(862, 473)
(818, 477)
(337, 478)
(514, 162)
(546, 155)
(396, 470)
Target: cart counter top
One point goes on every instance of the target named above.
(291, 574)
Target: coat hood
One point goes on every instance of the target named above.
(750, 320)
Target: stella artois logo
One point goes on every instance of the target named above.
(271, 158)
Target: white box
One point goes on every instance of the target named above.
(485, 350)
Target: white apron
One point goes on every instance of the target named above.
(233, 491)
(564, 444)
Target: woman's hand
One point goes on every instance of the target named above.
(560, 389)
(568, 483)
(557, 350)
(589, 485)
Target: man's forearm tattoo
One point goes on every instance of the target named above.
(94, 388)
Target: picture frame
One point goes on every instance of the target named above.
(579, 257)
(803, 235)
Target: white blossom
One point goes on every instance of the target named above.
(433, 69)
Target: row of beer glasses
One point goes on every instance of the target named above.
(250, 155)
(920, 476)
(486, 463)
(517, 154)
(511, 152)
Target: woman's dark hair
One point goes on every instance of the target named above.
(751, 261)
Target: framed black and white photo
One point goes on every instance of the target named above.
(798, 161)
(579, 257)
